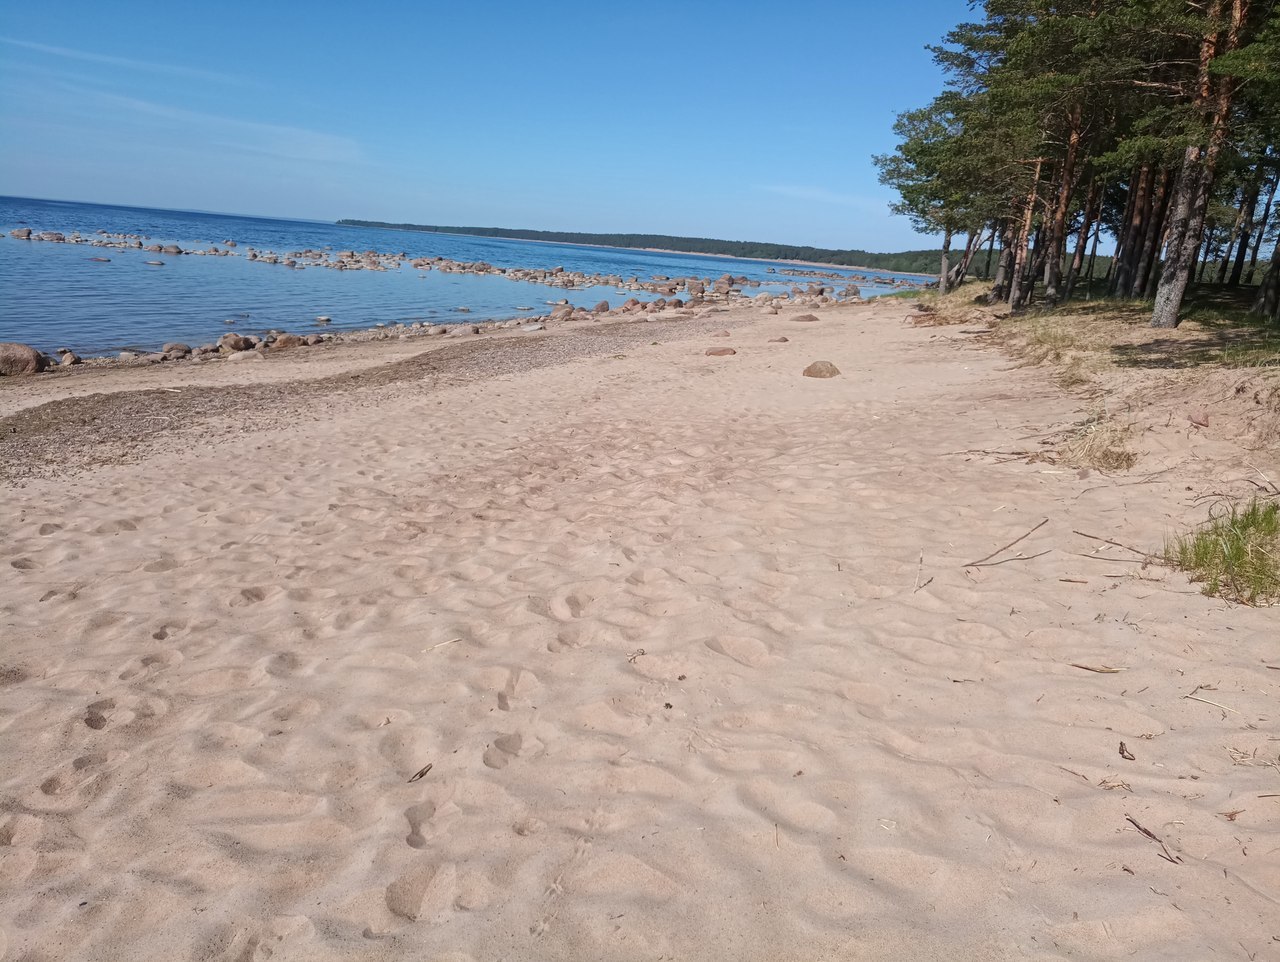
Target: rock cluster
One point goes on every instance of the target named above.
(725, 287)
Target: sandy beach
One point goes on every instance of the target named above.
(583, 644)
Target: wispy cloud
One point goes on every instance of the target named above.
(281, 141)
(820, 195)
(127, 63)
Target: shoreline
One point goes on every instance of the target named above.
(645, 250)
(799, 289)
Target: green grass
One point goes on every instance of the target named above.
(1236, 553)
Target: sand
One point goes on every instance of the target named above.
(631, 653)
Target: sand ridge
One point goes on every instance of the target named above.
(693, 653)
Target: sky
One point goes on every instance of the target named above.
(740, 120)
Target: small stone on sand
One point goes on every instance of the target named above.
(821, 369)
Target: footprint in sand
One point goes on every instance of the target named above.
(519, 688)
(109, 713)
(425, 892)
(430, 815)
(506, 747)
(253, 595)
(153, 663)
(570, 638)
(67, 787)
(745, 651)
(569, 607)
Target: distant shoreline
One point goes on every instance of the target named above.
(364, 225)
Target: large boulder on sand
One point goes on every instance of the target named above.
(284, 341)
(231, 342)
(601, 308)
(20, 359)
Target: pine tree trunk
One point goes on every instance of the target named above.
(1077, 261)
(1004, 267)
(1122, 241)
(1262, 227)
(1154, 230)
(1139, 216)
(1018, 280)
(991, 247)
(1057, 239)
(1242, 231)
(1195, 182)
(1093, 257)
(1153, 276)
(961, 270)
(942, 270)
(1267, 303)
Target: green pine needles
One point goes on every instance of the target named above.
(1236, 554)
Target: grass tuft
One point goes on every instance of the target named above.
(1099, 442)
(1236, 553)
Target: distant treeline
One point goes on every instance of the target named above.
(907, 262)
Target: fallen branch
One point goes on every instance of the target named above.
(980, 561)
(1101, 669)
(1005, 561)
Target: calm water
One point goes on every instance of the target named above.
(53, 295)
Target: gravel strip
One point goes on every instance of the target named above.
(67, 436)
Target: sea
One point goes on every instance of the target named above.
(57, 296)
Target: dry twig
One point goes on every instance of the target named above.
(1164, 849)
(979, 562)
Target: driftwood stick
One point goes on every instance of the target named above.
(1094, 537)
(1167, 855)
(974, 564)
(1005, 561)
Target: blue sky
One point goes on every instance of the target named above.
(742, 120)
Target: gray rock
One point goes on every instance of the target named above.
(249, 355)
(176, 347)
(230, 343)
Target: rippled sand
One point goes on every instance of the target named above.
(643, 655)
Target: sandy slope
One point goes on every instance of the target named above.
(660, 626)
